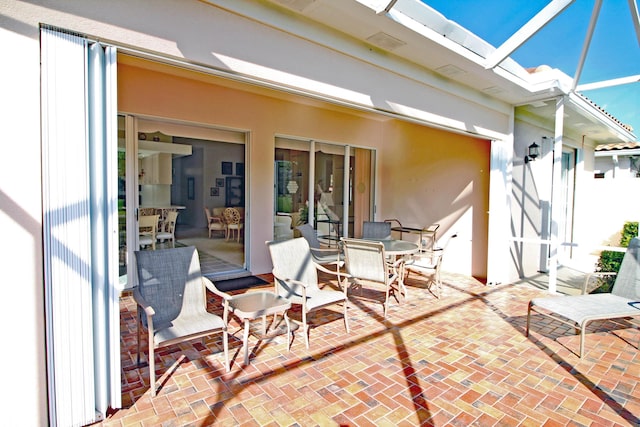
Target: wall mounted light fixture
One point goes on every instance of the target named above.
(533, 152)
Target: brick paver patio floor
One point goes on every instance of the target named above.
(461, 360)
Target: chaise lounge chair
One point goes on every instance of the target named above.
(579, 310)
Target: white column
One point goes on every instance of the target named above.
(345, 191)
(556, 196)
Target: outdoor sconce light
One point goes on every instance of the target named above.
(534, 152)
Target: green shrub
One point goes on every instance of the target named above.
(610, 261)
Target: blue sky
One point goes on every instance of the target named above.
(614, 50)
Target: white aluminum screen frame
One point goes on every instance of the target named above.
(79, 212)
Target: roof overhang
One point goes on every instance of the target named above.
(409, 30)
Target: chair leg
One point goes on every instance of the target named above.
(386, 302)
(139, 329)
(583, 330)
(305, 328)
(225, 344)
(245, 341)
(152, 366)
(289, 336)
(346, 317)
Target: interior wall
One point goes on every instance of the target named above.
(205, 173)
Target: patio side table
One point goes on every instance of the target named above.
(252, 305)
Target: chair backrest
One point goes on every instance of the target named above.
(171, 281)
(627, 282)
(376, 230)
(365, 259)
(148, 224)
(218, 212)
(232, 216)
(172, 218)
(292, 259)
(309, 234)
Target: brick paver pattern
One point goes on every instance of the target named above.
(461, 360)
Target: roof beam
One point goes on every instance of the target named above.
(542, 18)
(608, 83)
(587, 41)
(633, 8)
(390, 6)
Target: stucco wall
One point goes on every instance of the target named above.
(205, 35)
(424, 175)
(24, 402)
(429, 176)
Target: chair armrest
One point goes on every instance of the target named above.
(210, 286)
(304, 286)
(278, 276)
(589, 276)
(335, 272)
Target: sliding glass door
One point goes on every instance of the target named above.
(171, 170)
(327, 185)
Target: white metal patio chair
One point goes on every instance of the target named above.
(296, 278)
(366, 261)
(172, 302)
(323, 256)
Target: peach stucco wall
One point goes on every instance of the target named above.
(430, 176)
(424, 175)
(153, 93)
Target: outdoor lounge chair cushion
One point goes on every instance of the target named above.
(623, 301)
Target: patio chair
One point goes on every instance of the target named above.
(282, 227)
(296, 278)
(172, 302)
(169, 229)
(376, 230)
(234, 222)
(366, 260)
(580, 310)
(427, 263)
(215, 222)
(148, 230)
(322, 256)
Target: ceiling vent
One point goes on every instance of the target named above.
(450, 70)
(385, 41)
(538, 104)
(493, 90)
(298, 5)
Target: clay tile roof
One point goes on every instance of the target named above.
(618, 146)
(627, 127)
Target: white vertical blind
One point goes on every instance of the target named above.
(79, 290)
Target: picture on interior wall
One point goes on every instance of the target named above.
(215, 191)
(240, 169)
(219, 182)
(227, 168)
